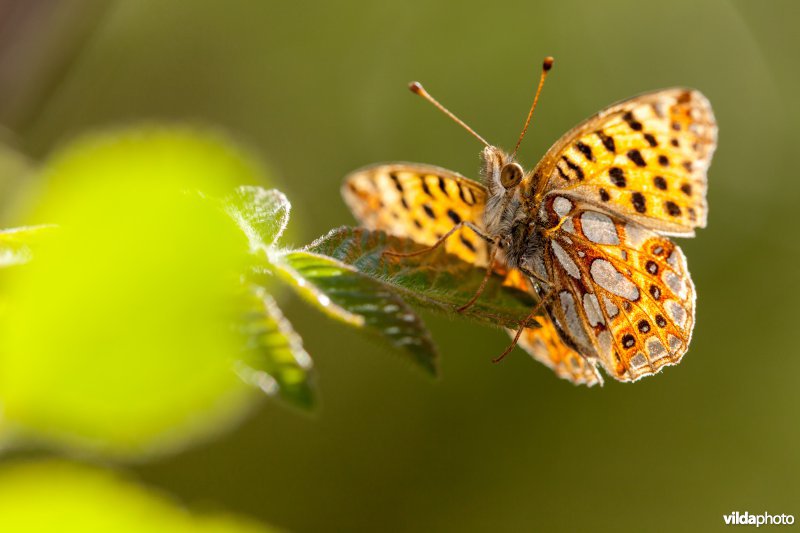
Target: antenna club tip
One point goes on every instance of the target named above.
(548, 63)
(416, 87)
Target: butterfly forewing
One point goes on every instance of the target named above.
(419, 202)
(644, 159)
(622, 293)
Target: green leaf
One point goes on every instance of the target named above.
(261, 214)
(370, 305)
(274, 359)
(436, 280)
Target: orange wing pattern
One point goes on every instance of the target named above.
(644, 159)
(621, 292)
(419, 202)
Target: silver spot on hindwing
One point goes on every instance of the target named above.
(676, 312)
(674, 258)
(611, 308)
(565, 260)
(574, 325)
(674, 343)
(638, 360)
(675, 283)
(562, 206)
(568, 225)
(655, 348)
(608, 277)
(592, 308)
(599, 228)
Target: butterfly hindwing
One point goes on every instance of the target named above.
(546, 346)
(621, 292)
(644, 159)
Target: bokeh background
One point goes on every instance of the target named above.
(316, 89)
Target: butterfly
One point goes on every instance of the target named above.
(587, 229)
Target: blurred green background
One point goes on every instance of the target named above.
(317, 89)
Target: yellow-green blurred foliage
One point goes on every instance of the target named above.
(49, 496)
(118, 335)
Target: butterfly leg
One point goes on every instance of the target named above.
(482, 286)
(536, 311)
(531, 274)
(442, 240)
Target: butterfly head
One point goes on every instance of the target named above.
(503, 216)
(500, 172)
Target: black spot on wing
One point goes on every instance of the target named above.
(572, 166)
(634, 124)
(396, 180)
(607, 140)
(585, 149)
(442, 185)
(454, 216)
(425, 188)
(466, 195)
(639, 203)
(636, 158)
(628, 340)
(672, 208)
(617, 176)
(655, 292)
(466, 242)
(428, 211)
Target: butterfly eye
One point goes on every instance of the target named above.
(510, 175)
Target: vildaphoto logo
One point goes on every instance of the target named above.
(746, 519)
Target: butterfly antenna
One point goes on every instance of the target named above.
(416, 88)
(546, 66)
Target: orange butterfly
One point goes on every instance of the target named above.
(586, 229)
